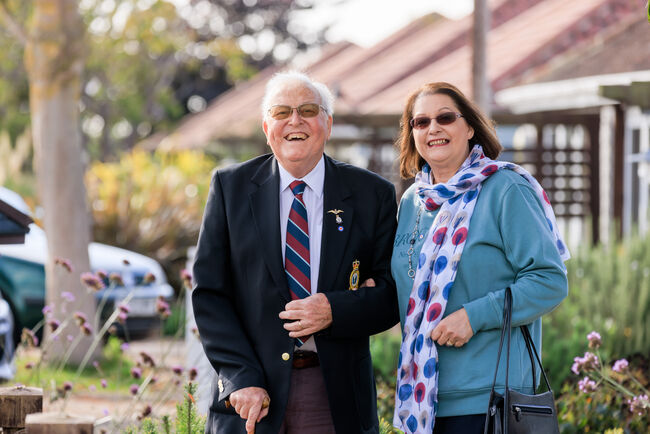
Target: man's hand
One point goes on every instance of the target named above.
(453, 330)
(309, 315)
(252, 404)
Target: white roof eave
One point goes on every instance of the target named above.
(575, 93)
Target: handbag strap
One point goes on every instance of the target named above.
(505, 331)
(524, 331)
(530, 344)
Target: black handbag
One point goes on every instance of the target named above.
(515, 412)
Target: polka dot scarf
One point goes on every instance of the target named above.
(416, 400)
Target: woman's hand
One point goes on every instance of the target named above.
(453, 330)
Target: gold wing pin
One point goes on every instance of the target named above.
(336, 212)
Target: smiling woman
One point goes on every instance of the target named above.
(468, 219)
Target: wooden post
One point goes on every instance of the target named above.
(15, 404)
(58, 423)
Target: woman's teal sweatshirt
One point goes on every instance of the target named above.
(509, 244)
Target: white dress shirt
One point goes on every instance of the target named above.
(313, 198)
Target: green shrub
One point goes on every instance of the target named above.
(609, 291)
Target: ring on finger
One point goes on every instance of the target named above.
(450, 343)
(266, 402)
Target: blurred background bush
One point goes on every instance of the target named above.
(151, 203)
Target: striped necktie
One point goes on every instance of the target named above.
(296, 258)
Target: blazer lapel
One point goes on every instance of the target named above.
(265, 206)
(334, 239)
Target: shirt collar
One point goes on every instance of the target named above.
(315, 179)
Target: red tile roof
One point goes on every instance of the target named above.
(526, 37)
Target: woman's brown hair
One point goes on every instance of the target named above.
(410, 162)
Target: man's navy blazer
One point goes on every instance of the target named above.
(241, 287)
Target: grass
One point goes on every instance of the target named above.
(114, 367)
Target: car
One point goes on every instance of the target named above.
(7, 368)
(22, 279)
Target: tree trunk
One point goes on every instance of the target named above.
(480, 83)
(54, 59)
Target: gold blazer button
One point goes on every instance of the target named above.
(285, 356)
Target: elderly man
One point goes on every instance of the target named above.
(286, 238)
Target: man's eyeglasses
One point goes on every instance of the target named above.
(309, 110)
(422, 122)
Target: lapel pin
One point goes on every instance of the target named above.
(336, 212)
(354, 276)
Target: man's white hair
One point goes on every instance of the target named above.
(282, 78)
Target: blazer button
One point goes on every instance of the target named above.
(220, 384)
(285, 356)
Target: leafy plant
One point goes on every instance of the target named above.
(606, 397)
(187, 419)
(609, 290)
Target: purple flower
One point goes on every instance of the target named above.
(161, 305)
(146, 411)
(147, 359)
(47, 309)
(589, 362)
(122, 317)
(639, 404)
(64, 263)
(29, 337)
(54, 324)
(92, 388)
(80, 317)
(134, 389)
(186, 277)
(148, 278)
(124, 346)
(193, 373)
(86, 329)
(67, 386)
(123, 308)
(177, 369)
(92, 281)
(620, 366)
(586, 385)
(104, 384)
(116, 278)
(136, 372)
(594, 340)
(70, 338)
(105, 411)
(68, 296)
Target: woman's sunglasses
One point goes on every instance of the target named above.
(279, 112)
(422, 122)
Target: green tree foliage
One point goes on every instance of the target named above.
(149, 62)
